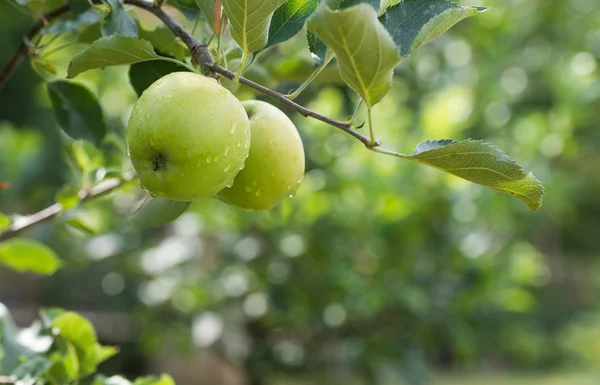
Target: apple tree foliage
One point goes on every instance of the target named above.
(369, 40)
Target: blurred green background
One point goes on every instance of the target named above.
(378, 271)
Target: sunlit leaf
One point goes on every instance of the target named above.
(68, 196)
(165, 379)
(5, 222)
(118, 21)
(112, 51)
(365, 51)
(79, 332)
(484, 164)
(289, 19)
(77, 111)
(158, 211)
(27, 255)
(249, 21)
(414, 23)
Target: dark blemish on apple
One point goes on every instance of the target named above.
(158, 161)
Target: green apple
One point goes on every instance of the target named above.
(188, 137)
(275, 167)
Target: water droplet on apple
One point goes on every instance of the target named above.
(226, 151)
(212, 116)
(291, 196)
(270, 142)
(228, 167)
(181, 103)
(233, 128)
(258, 192)
(222, 92)
(299, 180)
(182, 174)
(229, 185)
(239, 144)
(247, 188)
(160, 98)
(216, 158)
(147, 116)
(243, 166)
(254, 182)
(208, 159)
(289, 187)
(274, 173)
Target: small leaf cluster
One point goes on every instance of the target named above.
(61, 348)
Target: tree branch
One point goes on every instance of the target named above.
(22, 51)
(52, 211)
(203, 56)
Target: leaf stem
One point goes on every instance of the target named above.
(312, 77)
(241, 68)
(371, 128)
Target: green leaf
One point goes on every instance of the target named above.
(77, 111)
(142, 75)
(208, 10)
(163, 40)
(249, 21)
(189, 8)
(112, 51)
(72, 25)
(32, 371)
(68, 197)
(481, 163)
(5, 222)
(23, 255)
(349, 3)
(11, 349)
(165, 379)
(158, 211)
(316, 47)
(103, 353)
(289, 19)
(78, 6)
(79, 332)
(365, 51)
(118, 21)
(414, 23)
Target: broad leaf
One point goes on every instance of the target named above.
(158, 211)
(484, 164)
(112, 51)
(189, 8)
(349, 3)
(23, 255)
(5, 222)
(212, 11)
(118, 21)
(289, 19)
(77, 111)
(68, 197)
(164, 41)
(79, 332)
(316, 47)
(11, 349)
(414, 23)
(249, 21)
(32, 371)
(78, 6)
(72, 25)
(365, 51)
(142, 75)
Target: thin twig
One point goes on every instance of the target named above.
(52, 211)
(22, 51)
